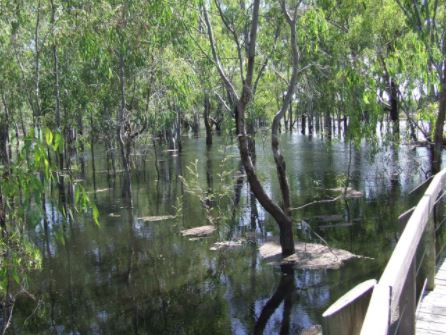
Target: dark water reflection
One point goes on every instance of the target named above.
(130, 276)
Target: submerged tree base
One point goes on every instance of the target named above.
(307, 256)
(348, 192)
(201, 231)
(227, 245)
(156, 218)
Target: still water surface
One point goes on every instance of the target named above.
(133, 277)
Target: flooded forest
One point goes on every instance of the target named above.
(209, 167)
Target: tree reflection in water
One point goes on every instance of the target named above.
(284, 292)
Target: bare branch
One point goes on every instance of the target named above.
(317, 202)
(234, 36)
(224, 77)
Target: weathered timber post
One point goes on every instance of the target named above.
(346, 315)
(431, 254)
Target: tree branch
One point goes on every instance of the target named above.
(220, 69)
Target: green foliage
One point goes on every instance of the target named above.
(26, 181)
(216, 198)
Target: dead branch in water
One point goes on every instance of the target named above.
(316, 202)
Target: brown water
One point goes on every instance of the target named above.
(130, 276)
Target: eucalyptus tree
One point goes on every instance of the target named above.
(428, 20)
(241, 103)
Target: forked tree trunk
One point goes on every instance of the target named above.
(283, 220)
(278, 157)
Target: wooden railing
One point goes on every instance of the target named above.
(391, 302)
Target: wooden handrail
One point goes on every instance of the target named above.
(392, 305)
(387, 292)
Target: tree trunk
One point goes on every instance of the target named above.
(36, 105)
(92, 141)
(60, 154)
(394, 110)
(207, 124)
(439, 125)
(122, 128)
(286, 104)
(310, 124)
(196, 124)
(327, 124)
(5, 161)
(81, 154)
(240, 104)
(178, 130)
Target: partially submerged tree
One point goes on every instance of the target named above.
(428, 20)
(241, 102)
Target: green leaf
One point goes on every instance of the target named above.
(95, 214)
(366, 100)
(58, 142)
(15, 275)
(48, 136)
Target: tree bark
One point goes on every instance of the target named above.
(327, 124)
(240, 103)
(207, 124)
(122, 131)
(439, 125)
(5, 161)
(394, 108)
(278, 157)
(60, 154)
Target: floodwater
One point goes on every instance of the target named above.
(130, 276)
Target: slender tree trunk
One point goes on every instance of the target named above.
(310, 124)
(345, 120)
(81, 154)
(327, 124)
(394, 108)
(178, 130)
(439, 125)
(122, 128)
(196, 124)
(207, 124)
(278, 157)
(60, 154)
(36, 104)
(156, 159)
(92, 141)
(240, 104)
(4, 160)
(251, 131)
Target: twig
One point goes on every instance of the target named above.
(324, 201)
